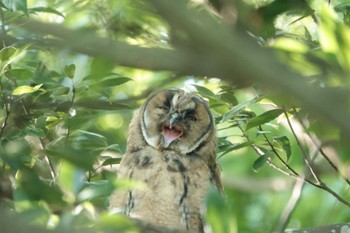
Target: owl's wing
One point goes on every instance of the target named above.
(215, 173)
(119, 200)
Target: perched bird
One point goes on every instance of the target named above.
(171, 147)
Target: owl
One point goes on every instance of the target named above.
(171, 148)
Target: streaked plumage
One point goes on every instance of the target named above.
(171, 147)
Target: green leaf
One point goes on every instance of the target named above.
(69, 70)
(35, 132)
(238, 108)
(79, 157)
(6, 53)
(88, 140)
(21, 90)
(229, 97)
(264, 118)
(46, 10)
(10, 54)
(19, 74)
(101, 188)
(236, 146)
(16, 5)
(203, 91)
(114, 80)
(111, 161)
(261, 161)
(284, 142)
(113, 147)
(36, 189)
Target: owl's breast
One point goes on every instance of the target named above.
(175, 188)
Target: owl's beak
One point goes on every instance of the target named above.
(173, 119)
(171, 131)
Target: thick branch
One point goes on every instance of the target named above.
(234, 58)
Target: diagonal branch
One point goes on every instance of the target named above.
(225, 55)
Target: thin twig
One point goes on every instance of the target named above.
(6, 118)
(305, 156)
(48, 161)
(269, 161)
(319, 183)
(295, 174)
(278, 155)
(71, 104)
(319, 146)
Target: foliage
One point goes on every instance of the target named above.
(71, 72)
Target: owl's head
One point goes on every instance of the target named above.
(176, 120)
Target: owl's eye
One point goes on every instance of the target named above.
(191, 117)
(163, 107)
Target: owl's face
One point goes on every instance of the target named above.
(176, 120)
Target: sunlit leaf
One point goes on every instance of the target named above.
(284, 142)
(264, 118)
(21, 90)
(52, 121)
(291, 45)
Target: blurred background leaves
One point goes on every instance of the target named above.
(275, 74)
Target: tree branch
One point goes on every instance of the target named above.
(229, 58)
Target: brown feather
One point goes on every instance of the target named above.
(178, 175)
